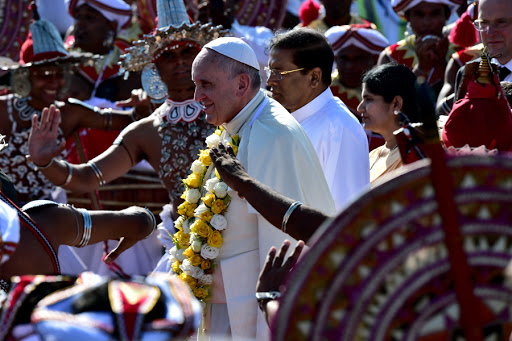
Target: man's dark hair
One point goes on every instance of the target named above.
(390, 80)
(310, 49)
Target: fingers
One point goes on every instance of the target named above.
(292, 260)
(125, 103)
(270, 260)
(282, 253)
(122, 246)
(35, 124)
(230, 150)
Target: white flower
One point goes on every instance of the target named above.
(219, 222)
(196, 245)
(193, 195)
(172, 254)
(220, 189)
(206, 280)
(197, 167)
(186, 226)
(213, 140)
(200, 210)
(192, 271)
(210, 184)
(179, 255)
(194, 237)
(209, 252)
(178, 223)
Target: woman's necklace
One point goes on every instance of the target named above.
(380, 154)
(24, 109)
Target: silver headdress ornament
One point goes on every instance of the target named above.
(144, 52)
(174, 28)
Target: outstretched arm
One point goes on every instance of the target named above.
(66, 225)
(273, 274)
(273, 206)
(43, 148)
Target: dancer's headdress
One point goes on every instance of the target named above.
(174, 30)
(365, 38)
(402, 6)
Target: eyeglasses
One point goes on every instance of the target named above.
(278, 74)
(498, 24)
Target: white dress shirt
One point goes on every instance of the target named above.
(508, 65)
(340, 143)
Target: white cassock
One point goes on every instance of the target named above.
(276, 151)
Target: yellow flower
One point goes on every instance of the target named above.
(182, 208)
(215, 239)
(183, 238)
(218, 131)
(191, 281)
(206, 216)
(201, 228)
(184, 195)
(217, 174)
(204, 157)
(176, 267)
(235, 149)
(205, 264)
(190, 210)
(192, 180)
(208, 199)
(200, 293)
(235, 140)
(189, 252)
(218, 206)
(195, 260)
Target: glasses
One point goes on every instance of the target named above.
(279, 74)
(498, 24)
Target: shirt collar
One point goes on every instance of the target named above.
(508, 65)
(244, 115)
(312, 107)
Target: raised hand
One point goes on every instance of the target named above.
(229, 168)
(140, 102)
(274, 271)
(43, 142)
(431, 51)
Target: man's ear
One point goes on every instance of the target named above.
(244, 84)
(316, 77)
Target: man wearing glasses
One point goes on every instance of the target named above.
(299, 76)
(495, 25)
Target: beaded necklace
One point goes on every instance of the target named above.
(24, 109)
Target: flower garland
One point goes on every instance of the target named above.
(198, 240)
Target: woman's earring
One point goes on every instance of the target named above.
(20, 82)
(152, 83)
(396, 112)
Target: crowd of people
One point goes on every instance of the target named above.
(259, 135)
